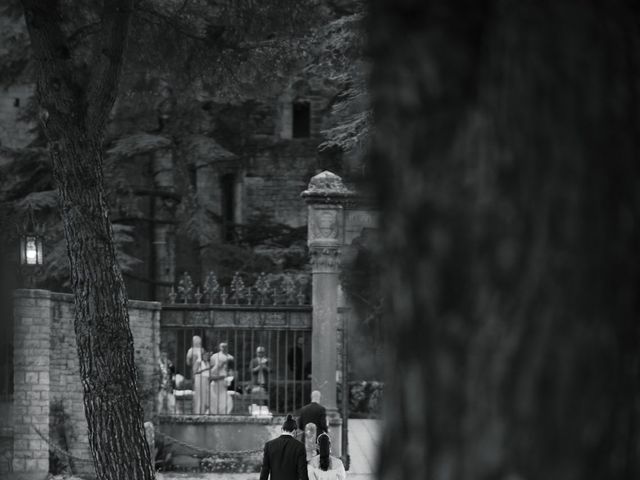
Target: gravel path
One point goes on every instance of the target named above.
(236, 476)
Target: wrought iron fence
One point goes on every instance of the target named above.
(237, 349)
(265, 289)
(235, 371)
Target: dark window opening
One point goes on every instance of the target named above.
(301, 119)
(228, 206)
(16, 102)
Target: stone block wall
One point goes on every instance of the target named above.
(15, 132)
(144, 320)
(48, 394)
(66, 391)
(31, 391)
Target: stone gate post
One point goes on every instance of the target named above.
(325, 197)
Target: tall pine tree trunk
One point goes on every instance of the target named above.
(506, 162)
(75, 100)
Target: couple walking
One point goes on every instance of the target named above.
(285, 458)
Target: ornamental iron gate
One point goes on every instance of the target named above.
(237, 350)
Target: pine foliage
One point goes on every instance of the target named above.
(207, 52)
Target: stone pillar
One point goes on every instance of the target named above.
(31, 358)
(325, 197)
(164, 241)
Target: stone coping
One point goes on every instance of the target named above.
(68, 298)
(233, 419)
(233, 307)
(221, 419)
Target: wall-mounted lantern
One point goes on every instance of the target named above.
(31, 250)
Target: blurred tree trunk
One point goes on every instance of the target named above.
(507, 166)
(75, 99)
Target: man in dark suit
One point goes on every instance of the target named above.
(314, 413)
(285, 458)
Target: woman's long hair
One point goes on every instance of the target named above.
(324, 446)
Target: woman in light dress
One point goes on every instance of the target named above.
(221, 375)
(324, 466)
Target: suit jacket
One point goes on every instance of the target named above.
(285, 458)
(313, 413)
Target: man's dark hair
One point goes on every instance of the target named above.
(289, 424)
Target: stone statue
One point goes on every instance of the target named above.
(260, 368)
(194, 360)
(221, 376)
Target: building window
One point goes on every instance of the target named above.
(301, 120)
(16, 102)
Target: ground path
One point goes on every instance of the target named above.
(363, 441)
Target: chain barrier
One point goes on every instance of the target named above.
(59, 450)
(195, 448)
(209, 453)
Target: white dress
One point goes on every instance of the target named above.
(335, 472)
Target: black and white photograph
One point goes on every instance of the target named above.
(319, 240)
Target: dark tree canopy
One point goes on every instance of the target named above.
(184, 62)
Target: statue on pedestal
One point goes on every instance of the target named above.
(221, 377)
(260, 368)
(195, 359)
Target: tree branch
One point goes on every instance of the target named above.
(169, 21)
(58, 90)
(105, 72)
(74, 39)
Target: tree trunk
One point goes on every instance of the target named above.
(75, 99)
(105, 345)
(506, 162)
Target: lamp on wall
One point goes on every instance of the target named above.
(31, 250)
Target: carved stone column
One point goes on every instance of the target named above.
(325, 197)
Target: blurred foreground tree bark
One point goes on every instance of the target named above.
(507, 166)
(75, 98)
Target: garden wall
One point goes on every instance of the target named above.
(47, 389)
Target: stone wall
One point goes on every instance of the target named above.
(14, 131)
(226, 433)
(47, 387)
(31, 392)
(274, 178)
(66, 389)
